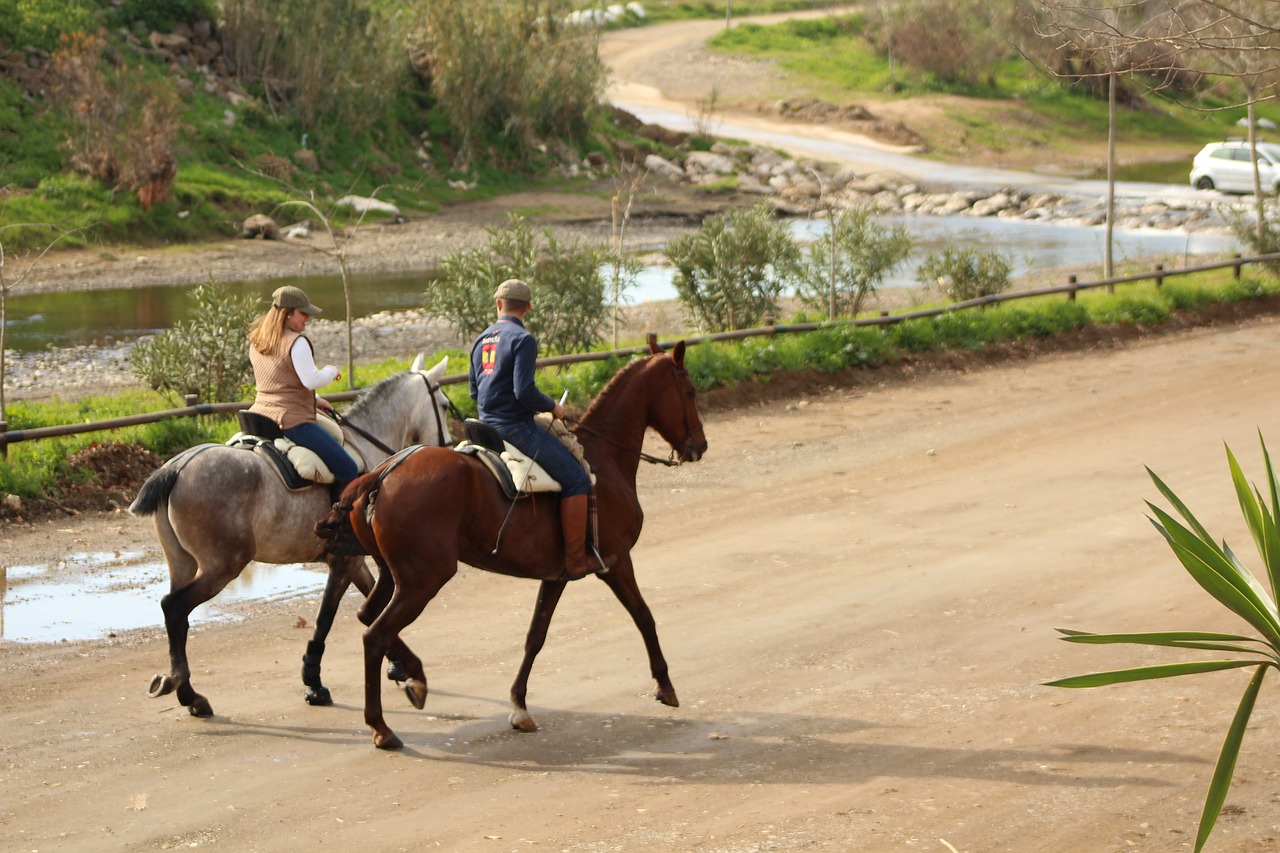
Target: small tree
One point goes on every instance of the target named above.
(569, 290)
(838, 272)
(731, 273)
(207, 355)
(961, 274)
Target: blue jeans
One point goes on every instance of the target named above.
(545, 449)
(313, 437)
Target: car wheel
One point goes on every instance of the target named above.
(1204, 183)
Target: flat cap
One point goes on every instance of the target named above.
(514, 288)
(289, 296)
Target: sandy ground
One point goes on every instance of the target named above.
(856, 593)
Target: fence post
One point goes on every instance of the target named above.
(1071, 294)
(1236, 268)
(4, 445)
(1159, 277)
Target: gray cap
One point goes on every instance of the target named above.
(514, 288)
(293, 297)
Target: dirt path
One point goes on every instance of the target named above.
(856, 594)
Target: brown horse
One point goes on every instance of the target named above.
(436, 507)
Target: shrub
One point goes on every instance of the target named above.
(127, 121)
(158, 15)
(1127, 311)
(206, 355)
(850, 261)
(1262, 236)
(731, 273)
(507, 71)
(963, 274)
(569, 291)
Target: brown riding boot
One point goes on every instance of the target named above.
(577, 562)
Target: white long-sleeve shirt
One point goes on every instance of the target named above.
(304, 364)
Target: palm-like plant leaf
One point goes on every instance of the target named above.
(1226, 766)
(1218, 570)
(1146, 673)
(1207, 641)
(1232, 585)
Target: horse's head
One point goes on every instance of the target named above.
(673, 411)
(431, 424)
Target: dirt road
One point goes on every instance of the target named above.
(856, 594)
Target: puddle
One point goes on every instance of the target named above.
(93, 595)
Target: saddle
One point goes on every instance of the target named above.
(517, 474)
(298, 467)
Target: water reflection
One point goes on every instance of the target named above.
(93, 595)
(63, 319)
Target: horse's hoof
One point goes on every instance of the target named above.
(522, 721)
(160, 685)
(318, 696)
(417, 693)
(388, 741)
(667, 697)
(396, 673)
(200, 707)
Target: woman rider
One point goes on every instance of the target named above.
(285, 372)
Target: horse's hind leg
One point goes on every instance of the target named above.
(177, 607)
(622, 580)
(548, 597)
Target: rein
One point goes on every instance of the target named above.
(435, 410)
(670, 461)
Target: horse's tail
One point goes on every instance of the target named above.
(155, 491)
(336, 526)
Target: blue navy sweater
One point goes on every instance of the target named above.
(502, 368)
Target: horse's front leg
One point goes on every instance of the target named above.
(398, 652)
(622, 580)
(548, 597)
(403, 666)
(342, 572)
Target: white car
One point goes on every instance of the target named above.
(1228, 166)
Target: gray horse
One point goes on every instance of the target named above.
(216, 508)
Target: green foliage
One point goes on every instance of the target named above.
(566, 278)
(1125, 310)
(1262, 236)
(160, 15)
(41, 24)
(1220, 572)
(731, 273)
(852, 259)
(508, 72)
(332, 61)
(206, 355)
(963, 274)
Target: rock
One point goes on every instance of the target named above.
(306, 159)
(361, 204)
(260, 225)
(662, 166)
(708, 163)
(13, 503)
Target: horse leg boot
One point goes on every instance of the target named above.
(577, 562)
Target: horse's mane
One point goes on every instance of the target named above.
(611, 387)
(375, 394)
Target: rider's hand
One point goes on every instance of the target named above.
(558, 412)
(324, 405)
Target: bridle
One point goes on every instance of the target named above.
(432, 390)
(672, 459)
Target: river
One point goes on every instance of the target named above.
(39, 320)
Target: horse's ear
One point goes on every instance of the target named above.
(677, 354)
(436, 373)
(654, 347)
(418, 362)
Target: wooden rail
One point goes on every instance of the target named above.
(1071, 288)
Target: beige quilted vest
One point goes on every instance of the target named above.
(281, 395)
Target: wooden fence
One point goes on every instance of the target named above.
(194, 408)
